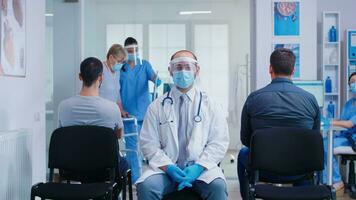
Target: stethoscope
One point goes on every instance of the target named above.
(197, 117)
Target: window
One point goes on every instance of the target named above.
(164, 40)
(212, 48)
(117, 33)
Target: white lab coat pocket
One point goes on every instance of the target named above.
(163, 132)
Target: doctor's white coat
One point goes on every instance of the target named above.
(207, 145)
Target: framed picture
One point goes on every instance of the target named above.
(295, 48)
(286, 18)
(13, 37)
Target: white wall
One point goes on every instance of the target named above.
(22, 100)
(261, 43)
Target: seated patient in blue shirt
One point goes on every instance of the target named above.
(279, 104)
(345, 138)
(88, 108)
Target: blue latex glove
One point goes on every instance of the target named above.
(192, 173)
(158, 82)
(184, 184)
(176, 174)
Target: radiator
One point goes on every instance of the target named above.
(15, 165)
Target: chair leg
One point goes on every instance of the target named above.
(251, 195)
(250, 192)
(352, 182)
(130, 185)
(110, 195)
(33, 197)
(352, 172)
(124, 182)
(333, 193)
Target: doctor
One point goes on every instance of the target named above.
(184, 137)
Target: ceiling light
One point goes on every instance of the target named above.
(195, 12)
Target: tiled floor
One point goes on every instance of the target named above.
(230, 171)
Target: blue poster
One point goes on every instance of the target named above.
(286, 18)
(295, 48)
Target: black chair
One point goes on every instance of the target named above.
(85, 154)
(185, 194)
(287, 152)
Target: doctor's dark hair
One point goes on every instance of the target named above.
(353, 74)
(282, 61)
(130, 41)
(90, 69)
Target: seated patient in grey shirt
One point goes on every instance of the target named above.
(88, 108)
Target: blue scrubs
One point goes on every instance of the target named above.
(348, 114)
(135, 99)
(134, 88)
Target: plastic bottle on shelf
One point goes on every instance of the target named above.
(328, 85)
(331, 110)
(332, 34)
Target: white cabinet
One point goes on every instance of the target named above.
(331, 60)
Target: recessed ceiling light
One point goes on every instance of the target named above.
(195, 12)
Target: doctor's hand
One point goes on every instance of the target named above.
(176, 173)
(183, 185)
(192, 173)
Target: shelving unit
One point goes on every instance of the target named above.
(331, 63)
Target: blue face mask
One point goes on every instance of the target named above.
(131, 56)
(353, 88)
(183, 79)
(117, 67)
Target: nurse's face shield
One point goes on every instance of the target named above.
(183, 63)
(132, 54)
(131, 49)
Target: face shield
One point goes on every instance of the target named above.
(132, 54)
(184, 71)
(183, 63)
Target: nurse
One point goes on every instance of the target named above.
(345, 138)
(134, 77)
(110, 86)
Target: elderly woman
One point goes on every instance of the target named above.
(110, 87)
